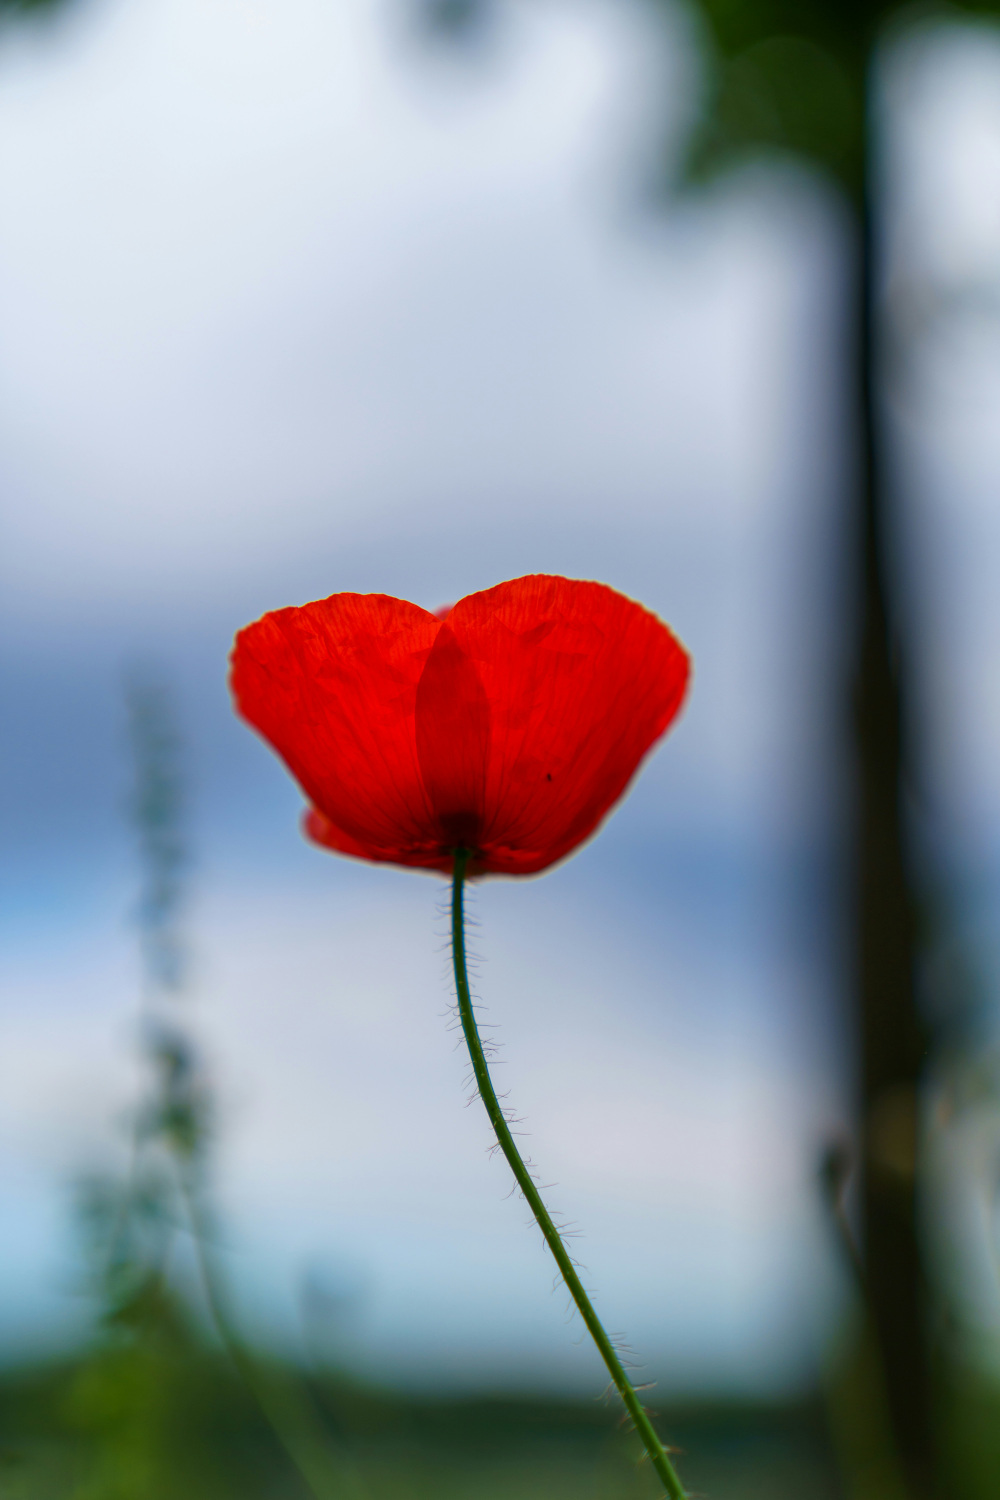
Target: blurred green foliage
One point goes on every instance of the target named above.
(166, 1417)
(784, 76)
(34, 8)
(790, 75)
(172, 1423)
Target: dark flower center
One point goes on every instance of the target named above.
(461, 830)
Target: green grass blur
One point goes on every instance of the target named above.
(173, 1421)
(168, 1417)
(156, 1410)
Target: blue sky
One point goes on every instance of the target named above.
(292, 305)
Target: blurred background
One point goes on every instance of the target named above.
(303, 297)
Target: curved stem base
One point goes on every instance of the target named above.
(658, 1456)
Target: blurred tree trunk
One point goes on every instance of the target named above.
(891, 1031)
(800, 78)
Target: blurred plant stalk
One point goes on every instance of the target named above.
(139, 1228)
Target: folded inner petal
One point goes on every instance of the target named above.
(453, 720)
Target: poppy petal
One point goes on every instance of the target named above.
(510, 726)
(332, 687)
(581, 682)
(453, 740)
(423, 853)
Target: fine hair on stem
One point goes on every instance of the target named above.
(655, 1449)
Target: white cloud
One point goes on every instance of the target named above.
(269, 280)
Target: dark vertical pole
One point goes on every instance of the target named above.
(892, 1035)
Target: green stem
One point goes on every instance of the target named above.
(658, 1456)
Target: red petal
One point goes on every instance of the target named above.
(453, 740)
(581, 682)
(332, 686)
(424, 854)
(511, 728)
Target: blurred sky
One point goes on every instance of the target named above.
(294, 302)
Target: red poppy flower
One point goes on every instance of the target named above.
(508, 727)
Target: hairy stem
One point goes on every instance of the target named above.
(658, 1456)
